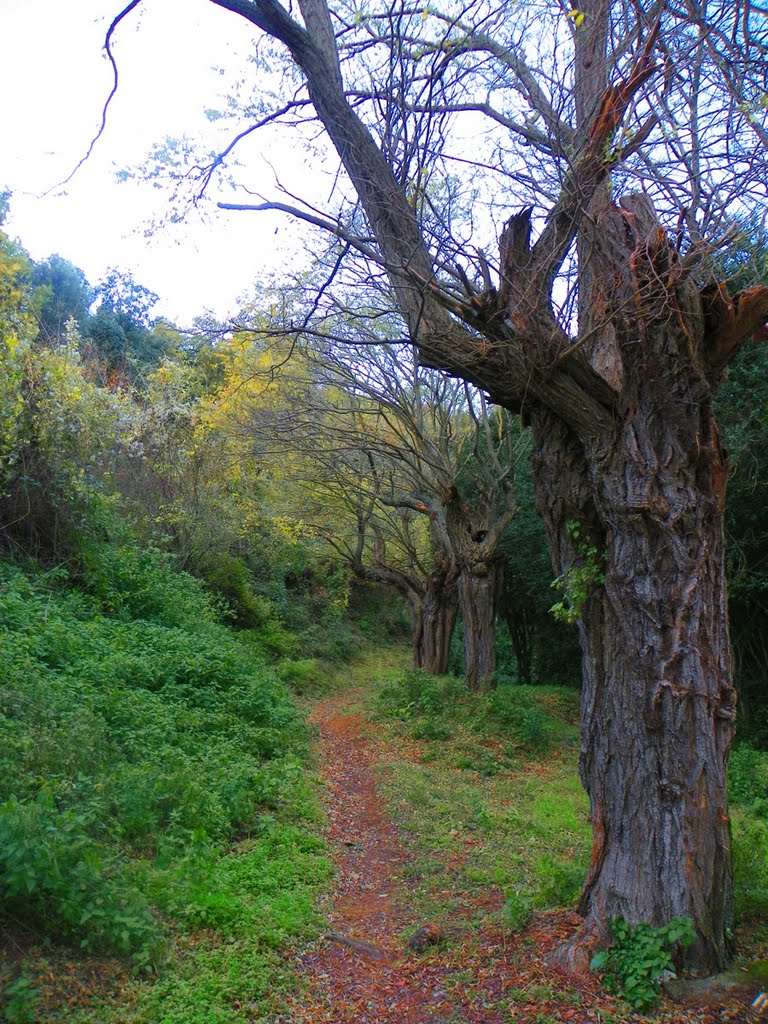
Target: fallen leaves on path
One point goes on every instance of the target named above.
(362, 972)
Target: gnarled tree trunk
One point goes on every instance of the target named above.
(478, 593)
(432, 602)
(658, 704)
(473, 534)
(625, 445)
(433, 614)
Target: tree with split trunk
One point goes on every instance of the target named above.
(386, 441)
(606, 329)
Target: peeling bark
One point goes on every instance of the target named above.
(658, 704)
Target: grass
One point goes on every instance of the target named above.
(228, 966)
(492, 804)
(489, 798)
(523, 837)
(156, 808)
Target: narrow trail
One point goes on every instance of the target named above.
(358, 972)
(363, 972)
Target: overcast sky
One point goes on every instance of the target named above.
(176, 58)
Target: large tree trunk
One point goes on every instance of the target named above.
(658, 704)
(474, 532)
(478, 592)
(433, 619)
(432, 602)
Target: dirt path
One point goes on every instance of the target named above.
(359, 973)
(362, 971)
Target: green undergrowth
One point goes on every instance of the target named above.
(487, 733)
(236, 911)
(748, 789)
(638, 958)
(154, 800)
(493, 804)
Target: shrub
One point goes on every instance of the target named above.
(639, 957)
(50, 867)
(517, 910)
(272, 640)
(332, 640)
(441, 704)
(750, 865)
(122, 739)
(19, 1000)
(133, 583)
(303, 676)
(415, 694)
(515, 714)
(431, 729)
(559, 881)
(228, 576)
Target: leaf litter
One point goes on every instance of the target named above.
(361, 971)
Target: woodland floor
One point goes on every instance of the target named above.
(363, 971)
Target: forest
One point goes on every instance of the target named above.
(394, 649)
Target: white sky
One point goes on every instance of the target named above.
(54, 79)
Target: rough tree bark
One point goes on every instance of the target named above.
(478, 600)
(433, 611)
(658, 704)
(472, 531)
(432, 602)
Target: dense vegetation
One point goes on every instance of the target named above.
(153, 780)
(170, 580)
(150, 775)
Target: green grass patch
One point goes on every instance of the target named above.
(525, 719)
(496, 795)
(236, 911)
(526, 835)
(748, 789)
(307, 677)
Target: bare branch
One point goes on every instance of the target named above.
(108, 48)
